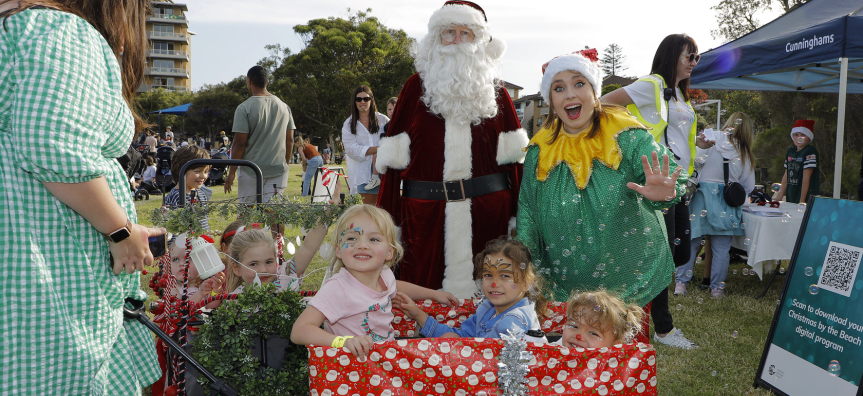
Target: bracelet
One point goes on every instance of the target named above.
(340, 341)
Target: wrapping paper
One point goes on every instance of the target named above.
(455, 316)
(468, 366)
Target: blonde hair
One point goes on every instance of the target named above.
(742, 137)
(381, 218)
(605, 311)
(239, 244)
(527, 276)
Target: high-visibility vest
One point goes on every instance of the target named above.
(658, 129)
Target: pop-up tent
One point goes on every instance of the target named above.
(180, 110)
(818, 47)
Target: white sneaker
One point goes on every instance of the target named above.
(675, 339)
(373, 182)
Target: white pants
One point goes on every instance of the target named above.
(246, 187)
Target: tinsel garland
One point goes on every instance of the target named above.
(280, 210)
(513, 365)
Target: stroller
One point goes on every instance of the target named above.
(218, 172)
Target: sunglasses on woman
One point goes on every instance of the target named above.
(690, 57)
(359, 99)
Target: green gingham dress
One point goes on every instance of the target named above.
(63, 119)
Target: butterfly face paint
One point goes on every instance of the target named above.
(363, 248)
(500, 282)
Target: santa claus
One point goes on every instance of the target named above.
(454, 146)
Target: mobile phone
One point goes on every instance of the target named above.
(158, 245)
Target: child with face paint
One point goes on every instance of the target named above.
(598, 319)
(513, 302)
(198, 288)
(355, 304)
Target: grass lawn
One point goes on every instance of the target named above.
(724, 365)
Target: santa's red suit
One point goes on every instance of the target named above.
(441, 237)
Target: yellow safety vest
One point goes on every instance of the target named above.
(658, 129)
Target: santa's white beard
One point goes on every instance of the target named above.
(459, 80)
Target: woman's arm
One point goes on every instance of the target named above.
(94, 201)
(618, 96)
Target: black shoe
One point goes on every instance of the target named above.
(705, 283)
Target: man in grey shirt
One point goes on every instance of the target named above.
(263, 133)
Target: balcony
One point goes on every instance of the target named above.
(167, 54)
(174, 19)
(165, 36)
(166, 72)
(171, 88)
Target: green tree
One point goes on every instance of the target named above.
(340, 54)
(737, 17)
(612, 60)
(158, 99)
(213, 109)
(610, 88)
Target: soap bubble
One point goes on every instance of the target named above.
(746, 241)
(590, 240)
(736, 162)
(677, 241)
(689, 273)
(704, 213)
(679, 307)
(701, 301)
(600, 266)
(781, 270)
(597, 308)
(733, 272)
(738, 121)
(776, 187)
(813, 289)
(714, 373)
(722, 112)
(692, 217)
(834, 368)
(746, 271)
(646, 230)
(734, 333)
(522, 266)
(698, 260)
(808, 271)
(722, 214)
(566, 253)
(665, 211)
(742, 226)
(801, 207)
(601, 227)
(721, 285)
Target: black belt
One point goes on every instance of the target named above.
(455, 191)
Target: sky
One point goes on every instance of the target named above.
(231, 35)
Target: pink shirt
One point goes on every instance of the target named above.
(351, 308)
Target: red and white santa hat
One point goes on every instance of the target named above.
(470, 14)
(584, 62)
(805, 127)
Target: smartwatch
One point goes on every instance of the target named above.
(121, 234)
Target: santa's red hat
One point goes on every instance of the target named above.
(805, 127)
(470, 14)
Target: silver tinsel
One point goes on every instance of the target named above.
(513, 365)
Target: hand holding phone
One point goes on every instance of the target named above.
(158, 245)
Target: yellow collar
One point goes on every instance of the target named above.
(579, 151)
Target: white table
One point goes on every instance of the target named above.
(770, 238)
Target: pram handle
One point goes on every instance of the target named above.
(259, 177)
(137, 313)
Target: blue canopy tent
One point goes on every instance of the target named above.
(180, 110)
(818, 47)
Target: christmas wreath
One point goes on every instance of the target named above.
(227, 341)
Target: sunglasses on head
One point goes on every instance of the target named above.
(690, 57)
(361, 99)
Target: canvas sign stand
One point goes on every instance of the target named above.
(324, 183)
(814, 345)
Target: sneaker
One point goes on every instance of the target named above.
(373, 182)
(680, 288)
(675, 338)
(716, 293)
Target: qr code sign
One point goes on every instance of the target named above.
(840, 268)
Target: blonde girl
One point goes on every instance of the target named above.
(599, 319)
(355, 304)
(513, 301)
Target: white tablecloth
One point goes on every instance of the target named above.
(770, 238)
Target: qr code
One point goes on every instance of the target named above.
(840, 268)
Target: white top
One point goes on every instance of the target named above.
(708, 163)
(149, 173)
(359, 164)
(680, 117)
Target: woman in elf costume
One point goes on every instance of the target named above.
(590, 201)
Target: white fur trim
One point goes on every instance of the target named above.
(458, 14)
(458, 250)
(394, 152)
(573, 62)
(804, 131)
(457, 151)
(458, 230)
(510, 230)
(510, 145)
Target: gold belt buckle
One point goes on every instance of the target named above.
(446, 194)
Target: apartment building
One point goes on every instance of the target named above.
(168, 55)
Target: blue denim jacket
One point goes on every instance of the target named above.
(484, 323)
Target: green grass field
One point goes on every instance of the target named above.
(724, 365)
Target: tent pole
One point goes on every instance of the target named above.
(718, 109)
(159, 132)
(840, 128)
